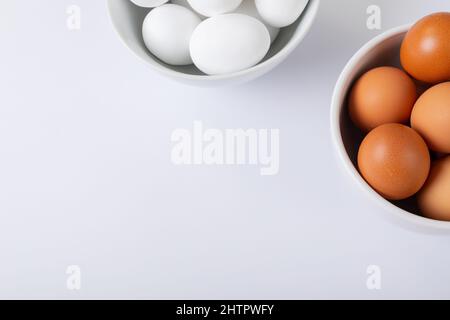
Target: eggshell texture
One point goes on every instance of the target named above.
(167, 32)
(280, 13)
(229, 43)
(394, 160)
(434, 198)
(248, 7)
(382, 95)
(210, 8)
(431, 117)
(185, 3)
(149, 3)
(425, 51)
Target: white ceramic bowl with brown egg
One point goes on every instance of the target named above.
(383, 50)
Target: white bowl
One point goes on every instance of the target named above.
(382, 50)
(127, 19)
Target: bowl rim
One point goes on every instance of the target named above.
(335, 115)
(313, 6)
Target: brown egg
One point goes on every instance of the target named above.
(434, 198)
(425, 51)
(382, 95)
(431, 117)
(394, 160)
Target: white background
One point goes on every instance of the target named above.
(86, 177)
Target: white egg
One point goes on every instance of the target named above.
(149, 3)
(186, 4)
(248, 7)
(167, 32)
(210, 8)
(280, 13)
(229, 43)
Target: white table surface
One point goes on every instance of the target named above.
(86, 177)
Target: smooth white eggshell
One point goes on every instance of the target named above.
(186, 4)
(280, 13)
(167, 32)
(248, 7)
(210, 8)
(229, 43)
(149, 3)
